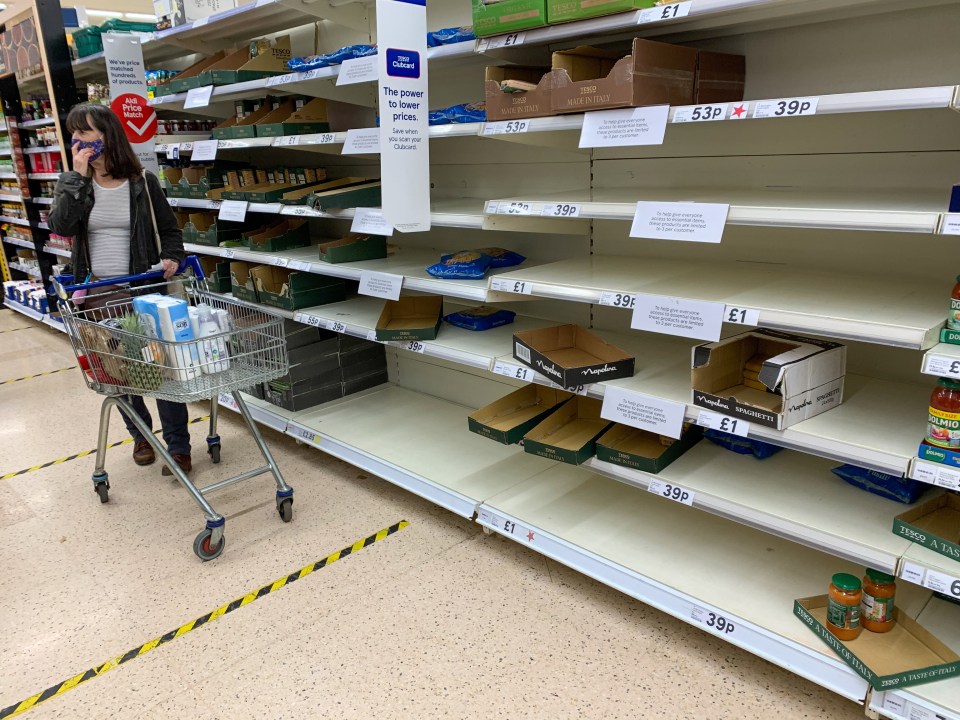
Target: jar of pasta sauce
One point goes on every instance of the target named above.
(876, 607)
(843, 606)
(943, 417)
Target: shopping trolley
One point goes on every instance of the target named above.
(119, 356)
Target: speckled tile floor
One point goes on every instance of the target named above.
(438, 620)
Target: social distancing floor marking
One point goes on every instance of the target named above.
(62, 687)
(85, 453)
(31, 377)
(25, 327)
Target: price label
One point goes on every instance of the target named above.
(506, 127)
(561, 210)
(311, 320)
(174, 202)
(233, 210)
(279, 261)
(688, 222)
(712, 620)
(303, 434)
(297, 211)
(516, 207)
(370, 221)
(678, 316)
(381, 285)
(275, 80)
(941, 365)
(895, 704)
(323, 139)
(724, 423)
(942, 583)
(299, 265)
(663, 417)
(700, 113)
(672, 492)
(742, 316)
(951, 224)
(414, 346)
(227, 253)
(173, 151)
(517, 372)
(501, 41)
(372, 336)
(198, 97)
(205, 150)
(214, 204)
(286, 140)
(921, 713)
(226, 399)
(786, 107)
(620, 300)
(938, 475)
(491, 207)
(337, 326)
(518, 287)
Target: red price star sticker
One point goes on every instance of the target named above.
(738, 111)
(530, 536)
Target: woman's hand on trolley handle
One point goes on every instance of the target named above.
(169, 268)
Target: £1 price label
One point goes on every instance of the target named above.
(517, 372)
(664, 12)
(671, 492)
(286, 140)
(941, 365)
(724, 423)
(712, 620)
(700, 113)
(518, 287)
(501, 41)
(620, 300)
(942, 583)
(741, 316)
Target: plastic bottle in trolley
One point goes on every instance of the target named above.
(214, 350)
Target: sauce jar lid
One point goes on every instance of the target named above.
(949, 383)
(880, 577)
(846, 581)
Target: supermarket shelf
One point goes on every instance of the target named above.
(43, 226)
(49, 321)
(11, 198)
(15, 221)
(922, 566)
(3, 128)
(943, 359)
(24, 310)
(17, 241)
(57, 251)
(8, 176)
(42, 122)
(43, 176)
(261, 411)
(912, 211)
(5, 152)
(41, 150)
(32, 272)
(408, 263)
(41, 201)
(840, 306)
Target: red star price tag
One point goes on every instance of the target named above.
(739, 111)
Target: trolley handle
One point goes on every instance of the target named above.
(62, 290)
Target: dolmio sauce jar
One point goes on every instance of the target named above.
(943, 417)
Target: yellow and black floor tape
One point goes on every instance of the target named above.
(31, 377)
(60, 688)
(85, 453)
(25, 327)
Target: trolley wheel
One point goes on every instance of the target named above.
(103, 490)
(214, 451)
(285, 508)
(202, 547)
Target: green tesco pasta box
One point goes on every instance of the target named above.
(935, 525)
(202, 229)
(287, 234)
(353, 248)
(292, 290)
(570, 434)
(242, 282)
(559, 11)
(642, 450)
(508, 16)
(410, 318)
(511, 417)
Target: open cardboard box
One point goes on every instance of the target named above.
(411, 318)
(236, 127)
(511, 417)
(720, 77)
(241, 281)
(803, 377)
(906, 655)
(935, 524)
(217, 273)
(353, 248)
(202, 229)
(507, 16)
(654, 73)
(643, 450)
(271, 59)
(518, 105)
(348, 192)
(188, 78)
(570, 355)
(293, 289)
(309, 119)
(283, 235)
(559, 11)
(569, 434)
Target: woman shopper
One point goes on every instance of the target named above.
(104, 204)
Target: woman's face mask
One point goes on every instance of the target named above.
(96, 145)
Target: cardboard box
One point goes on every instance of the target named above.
(291, 233)
(803, 377)
(348, 193)
(311, 118)
(511, 417)
(654, 73)
(320, 346)
(411, 318)
(217, 273)
(569, 434)
(292, 289)
(365, 383)
(570, 355)
(516, 106)
(313, 372)
(720, 77)
(353, 248)
(270, 59)
(298, 335)
(234, 128)
(643, 450)
(241, 281)
(189, 78)
(906, 655)
(935, 524)
(559, 11)
(291, 399)
(202, 229)
(193, 181)
(362, 360)
(508, 16)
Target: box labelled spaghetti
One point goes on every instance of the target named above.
(935, 524)
(907, 655)
(570, 433)
(511, 417)
(643, 450)
(570, 355)
(767, 377)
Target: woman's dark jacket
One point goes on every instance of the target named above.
(70, 214)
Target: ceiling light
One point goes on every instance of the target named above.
(104, 13)
(141, 16)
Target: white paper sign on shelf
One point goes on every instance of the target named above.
(700, 113)
(204, 150)
(951, 224)
(936, 474)
(235, 210)
(621, 128)
(942, 583)
(664, 12)
(657, 415)
(363, 141)
(741, 316)
(561, 210)
(921, 713)
(619, 300)
(381, 285)
(198, 97)
(370, 221)
(941, 365)
(690, 222)
(358, 70)
(506, 127)
(678, 316)
(517, 372)
(785, 107)
(500, 41)
(672, 492)
(724, 423)
(518, 287)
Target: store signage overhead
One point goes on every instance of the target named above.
(404, 110)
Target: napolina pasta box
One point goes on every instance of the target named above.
(570, 355)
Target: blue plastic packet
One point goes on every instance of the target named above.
(481, 318)
(464, 265)
(449, 36)
(742, 445)
(435, 117)
(499, 257)
(313, 62)
(467, 112)
(890, 487)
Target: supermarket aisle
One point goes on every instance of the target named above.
(437, 620)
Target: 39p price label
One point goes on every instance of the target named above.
(672, 492)
(786, 107)
(713, 620)
(618, 300)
